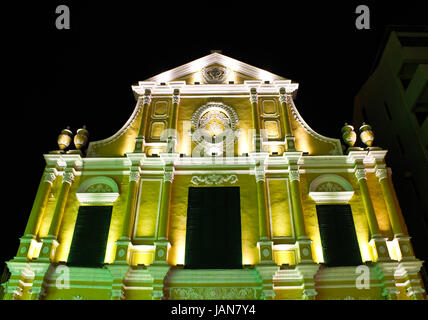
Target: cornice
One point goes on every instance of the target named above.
(187, 90)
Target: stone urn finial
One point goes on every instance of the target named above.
(81, 138)
(348, 135)
(366, 134)
(64, 139)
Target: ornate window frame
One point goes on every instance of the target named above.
(336, 189)
(94, 197)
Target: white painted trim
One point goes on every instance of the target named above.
(92, 147)
(97, 198)
(213, 58)
(332, 197)
(335, 142)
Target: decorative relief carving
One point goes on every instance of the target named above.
(329, 187)
(99, 187)
(213, 293)
(215, 74)
(229, 112)
(214, 179)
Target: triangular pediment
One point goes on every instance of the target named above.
(215, 68)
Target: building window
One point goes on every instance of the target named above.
(88, 246)
(213, 232)
(338, 237)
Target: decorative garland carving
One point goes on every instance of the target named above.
(213, 293)
(214, 179)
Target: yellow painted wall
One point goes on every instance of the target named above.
(178, 218)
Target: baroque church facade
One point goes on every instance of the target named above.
(215, 188)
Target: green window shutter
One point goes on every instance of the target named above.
(89, 242)
(338, 237)
(213, 234)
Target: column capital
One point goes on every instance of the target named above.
(294, 175)
(253, 95)
(168, 175)
(49, 177)
(135, 175)
(176, 96)
(360, 174)
(68, 176)
(381, 173)
(147, 98)
(260, 173)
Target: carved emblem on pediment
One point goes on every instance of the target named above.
(214, 74)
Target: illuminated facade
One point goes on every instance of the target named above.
(215, 188)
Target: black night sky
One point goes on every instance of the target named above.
(83, 76)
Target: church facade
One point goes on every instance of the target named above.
(215, 188)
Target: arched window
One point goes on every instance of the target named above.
(331, 188)
(98, 190)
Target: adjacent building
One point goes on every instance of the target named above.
(215, 188)
(394, 100)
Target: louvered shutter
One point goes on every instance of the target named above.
(89, 242)
(338, 237)
(213, 236)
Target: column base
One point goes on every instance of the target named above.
(48, 249)
(304, 251)
(379, 249)
(161, 253)
(266, 252)
(122, 251)
(403, 248)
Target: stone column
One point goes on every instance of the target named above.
(162, 244)
(139, 141)
(382, 175)
(50, 242)
(377, 242)
(36, 214)
(122, 245)
(172, 123)
(257, 138)
(401, 238)
(285, 100)
(164, 208)
(303, 243)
